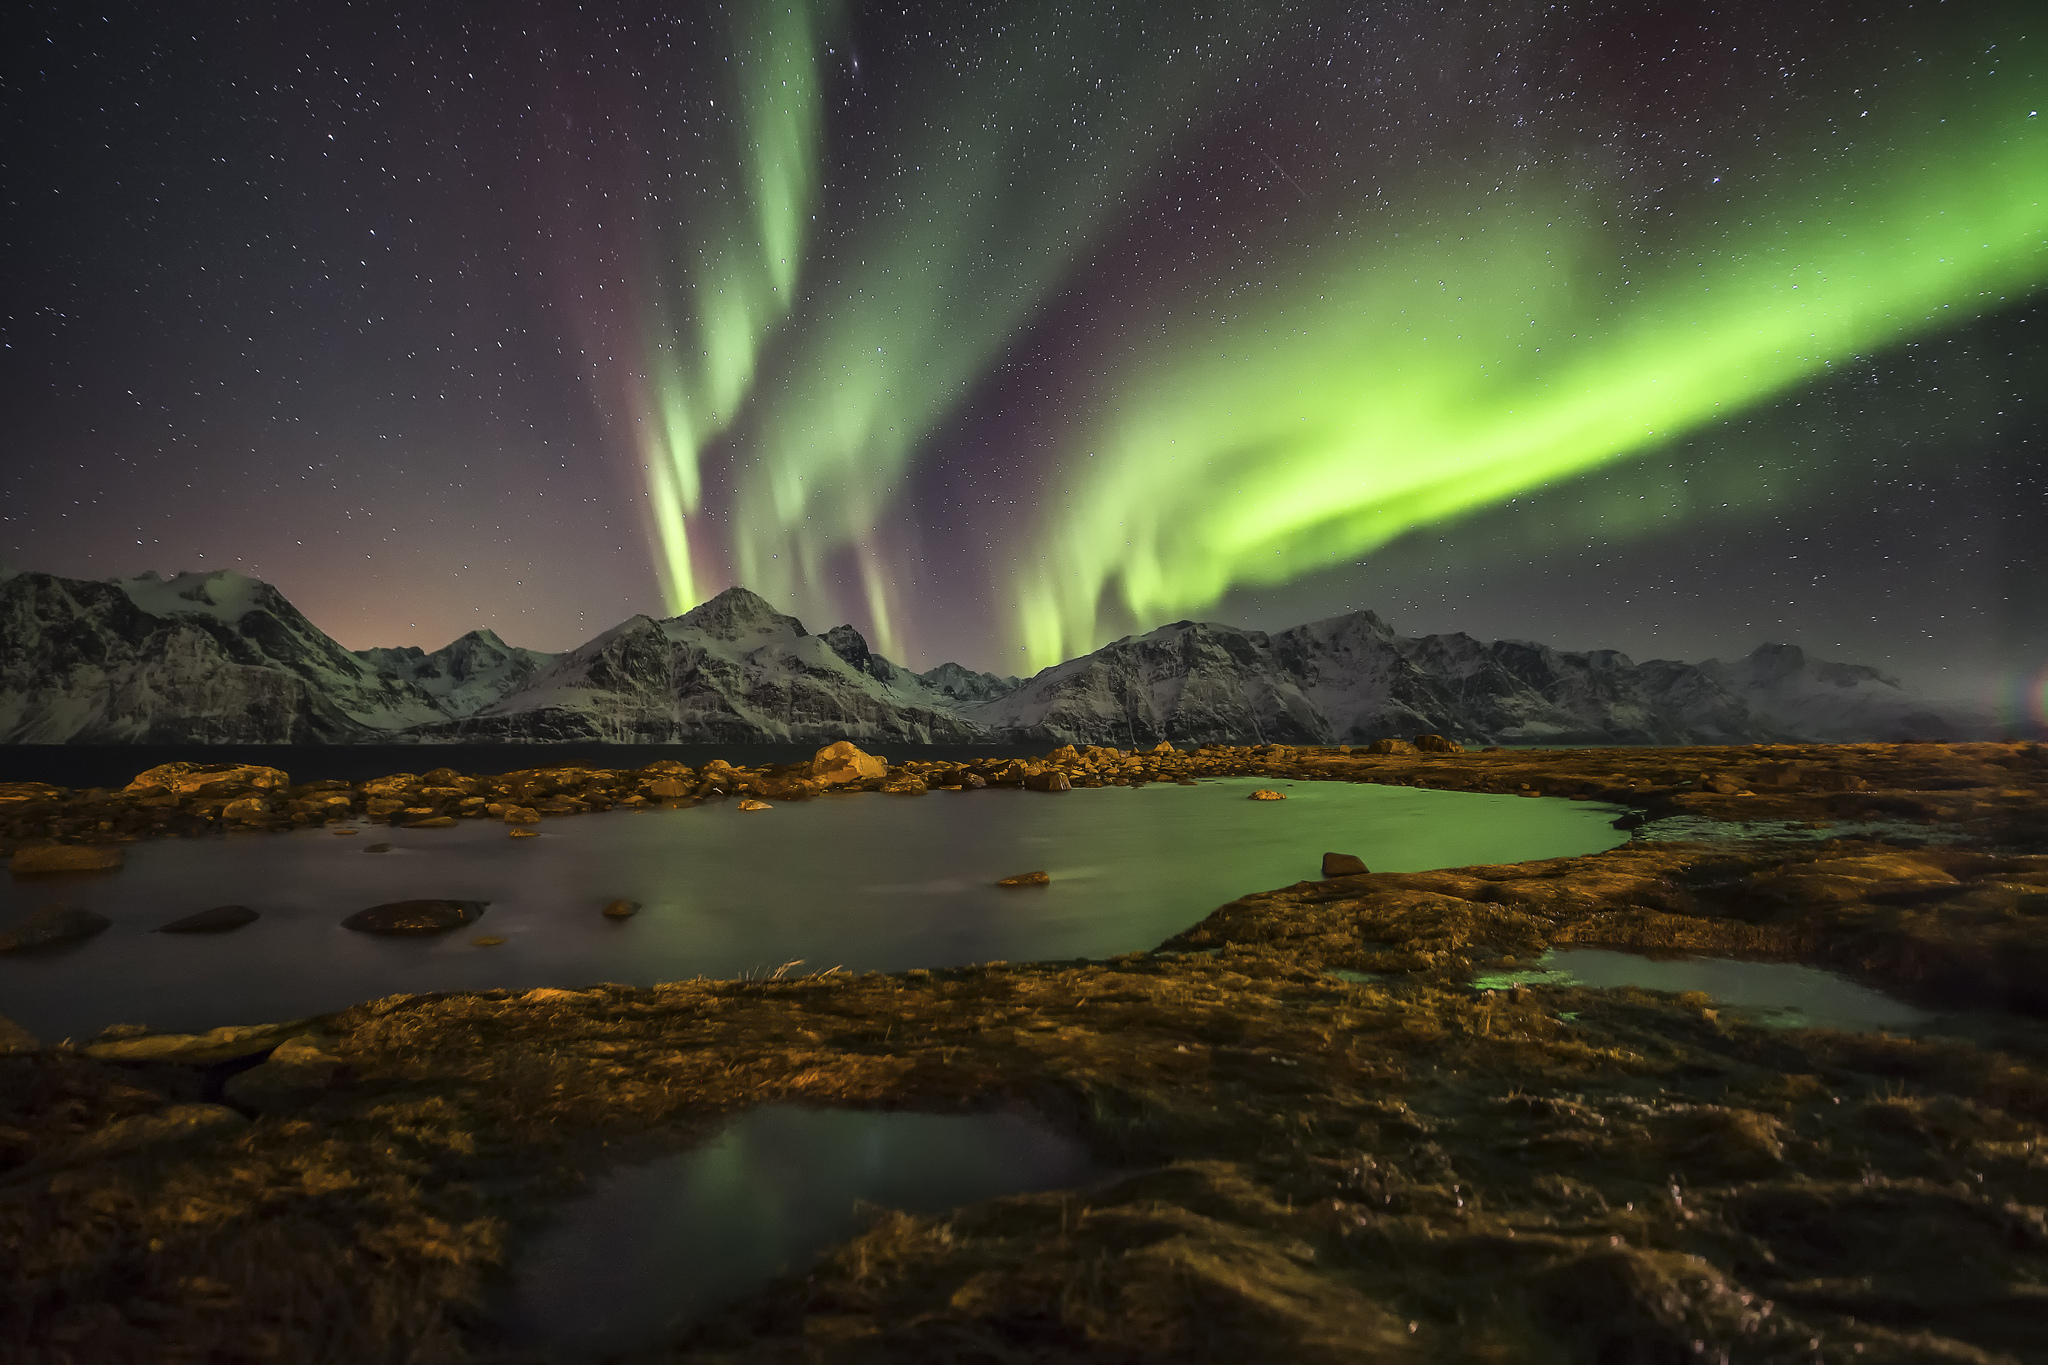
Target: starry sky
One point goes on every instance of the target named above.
(1004, 329)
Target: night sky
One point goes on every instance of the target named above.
(1004, 329)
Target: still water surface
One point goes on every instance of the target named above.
(649, 1249)
(859, 881)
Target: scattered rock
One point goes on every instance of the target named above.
(622, 909)
(15, 1038)
(1344, 865)
(1027, 879)
(836, 765)
(1267, 794)
(668, 789)
(973, 782)
(486, 941)
(376, 848)
(65, 858)
(219, 920)
(1185, 782)
(432, 822)
(247, 810)
(1437, 744)
(51, 925)
(751, 804)
(520, 815)
(1050, 780)
(346, 832)
(1390, 746)
(906, 784)
(414, 917)
(526, 834)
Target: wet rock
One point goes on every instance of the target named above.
(432, 822)
(621, 909)
(49, 926)
(520, 815)
(415, 917)
(751, 804)
(668, 788)
(1185, 782)
(1389, 746)
(973, 782)
(906, 784)
(1437, 744)
(526, 834)
(486, 941)
(1027, 879)
(14, 1038)
(65, 858)
(1050, 780)
(247, 810)
(376, 848)
(1344, 865)
(1266, 794)
(837, 765)
(219, 920)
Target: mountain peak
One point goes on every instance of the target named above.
(736, 612)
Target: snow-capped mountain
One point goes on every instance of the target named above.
(221, 658)
(216, 658)
(733, 669)
(1828, 701)
(1350, 679)
(462, 677)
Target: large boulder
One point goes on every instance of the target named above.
(49, 926)
(414, 917)
(189, 779)
(65, 858)
(837, 765)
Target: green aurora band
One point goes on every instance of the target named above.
(1489, 350)
(744, 242)
(1010, 172)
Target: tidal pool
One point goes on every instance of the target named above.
(1779, 994)
(651, 1248)
(863, 882)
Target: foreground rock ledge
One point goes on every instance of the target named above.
(1318, 1170)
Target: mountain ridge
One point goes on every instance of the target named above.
(225, 658)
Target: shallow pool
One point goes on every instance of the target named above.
(651, 1248)
(858, 881)
(1779, 994)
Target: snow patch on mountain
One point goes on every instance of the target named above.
(464, 676)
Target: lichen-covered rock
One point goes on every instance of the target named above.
(837, 765)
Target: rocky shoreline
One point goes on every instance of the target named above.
(1335, 1147)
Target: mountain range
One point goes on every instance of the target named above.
(220, 658)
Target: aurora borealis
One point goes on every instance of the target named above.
(1002, 330)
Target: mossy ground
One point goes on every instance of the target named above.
(1315, 1169)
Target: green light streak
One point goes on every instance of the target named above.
(1492, 350)
(1006, 176)
(743, 244)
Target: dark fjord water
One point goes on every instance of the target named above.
(858, 881)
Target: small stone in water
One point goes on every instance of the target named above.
(377, 848)
(1344, 865)
(50, 925)
(622, 909)
(414, 917)
(219, 920)
(346, 832)
(526, 834)
(486, 940)
(1266, 794)
(1027, 879)
(751, 804)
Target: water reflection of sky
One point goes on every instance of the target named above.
(1781, 994)
(857, 881)
(651, 1248)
